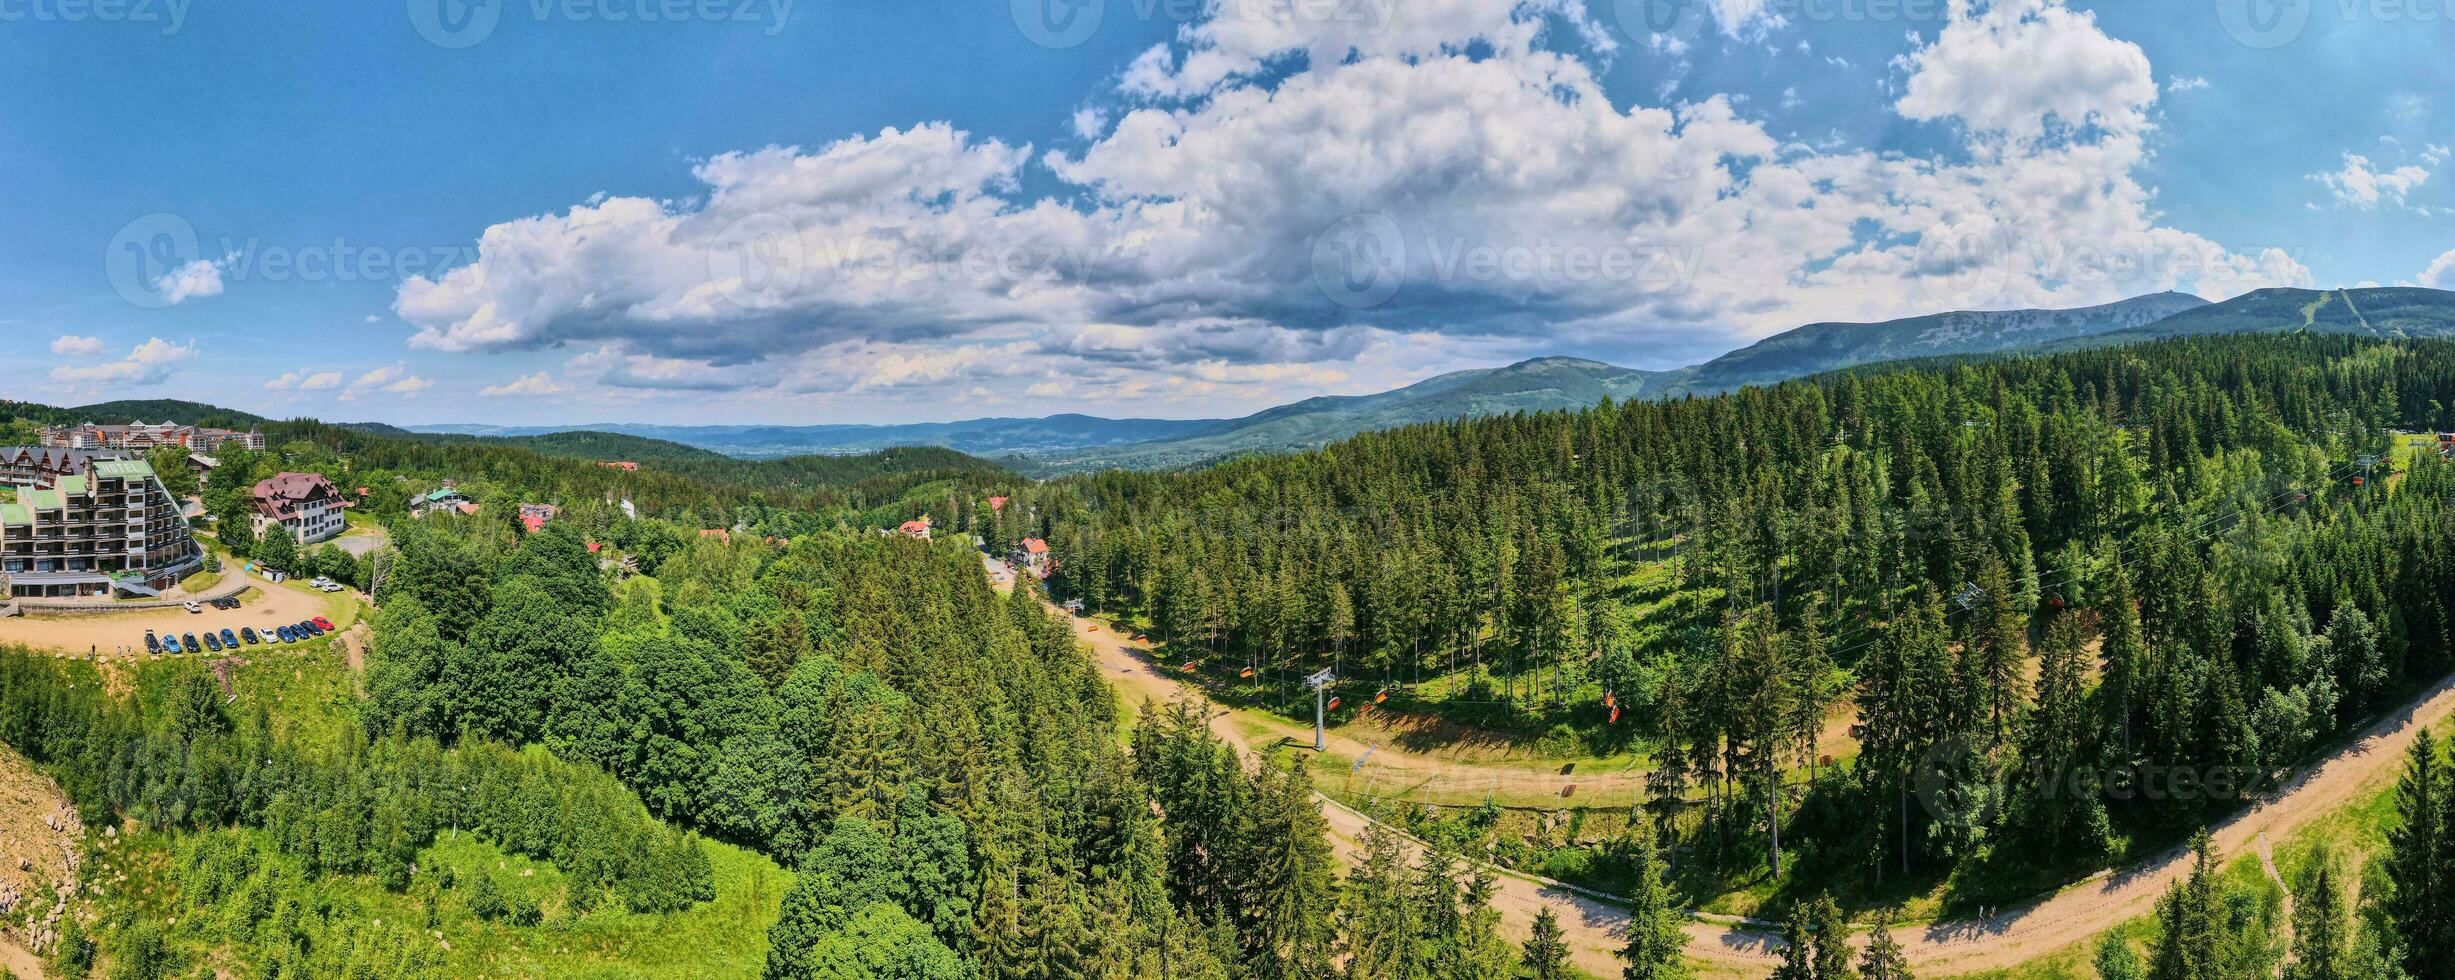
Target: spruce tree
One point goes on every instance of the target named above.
(1883, 959)
(1546, 950)
(2322, 940)
(1655, 934)
(2417, 860)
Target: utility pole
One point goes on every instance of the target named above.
(1320, 683)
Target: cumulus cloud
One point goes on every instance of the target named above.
(74, 346)
(2441, 272)
(2359, 184)
(2026, 68)
(1211, 223)
(527, 386)
(151, 362)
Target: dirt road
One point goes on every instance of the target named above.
(2008, 938)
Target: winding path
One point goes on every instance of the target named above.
(1595, 926)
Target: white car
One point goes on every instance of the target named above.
(194, 608)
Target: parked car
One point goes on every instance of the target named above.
(153, 644)
(310, 629)
(286, 635)
(188, 642)
(170, 645)
(230, 638)
(213, 641)
(332, 587)
(322, 623)
(248, 633)
(194, 608)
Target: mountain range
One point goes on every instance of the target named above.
(1067, 443)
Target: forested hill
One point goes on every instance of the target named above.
(1730, 569)
(1820, 347)
(2386, 312)
(122, 412)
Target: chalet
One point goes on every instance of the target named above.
(916, 529)
(1032, 556)
(306, 505)
(620, 464)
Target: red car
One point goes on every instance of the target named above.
(322, 623)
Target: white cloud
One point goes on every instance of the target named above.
(305, 381)
(528, 386)
(75, 346)
(1189, 237)
(2360, 185)
(2441, 272)
(392, 380)
(2027, 68)
(151, 362)
(2186, 83)
(202, 277)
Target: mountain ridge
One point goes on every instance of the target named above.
(1073, 442)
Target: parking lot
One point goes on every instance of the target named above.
(263, 606)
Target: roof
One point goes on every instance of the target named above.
(124, 469)
(15, 514)
(74, 486)
(465, 507)
(1035, 546)
(594, 547)
(533, 522)
(442, 495)
(914, 527)
(719, 534)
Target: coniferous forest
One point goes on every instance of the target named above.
(2073, 608)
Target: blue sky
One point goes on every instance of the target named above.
(798, 211)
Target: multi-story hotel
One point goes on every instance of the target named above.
(81, 523)
(139, 436)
